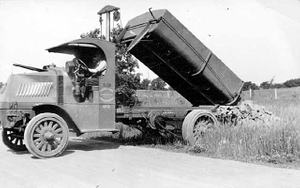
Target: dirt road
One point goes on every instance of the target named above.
(103, 164)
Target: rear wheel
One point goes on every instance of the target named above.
(46, 135)
(13, 137)
(197, 124)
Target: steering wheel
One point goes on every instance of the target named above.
(82, 64)
(81, 68)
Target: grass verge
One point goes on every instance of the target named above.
(275, 143)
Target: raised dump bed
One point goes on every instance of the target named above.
(170, 50)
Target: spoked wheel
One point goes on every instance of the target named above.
(13, 138)
(196, 124)
(46, 135)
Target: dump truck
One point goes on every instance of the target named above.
(38, 110)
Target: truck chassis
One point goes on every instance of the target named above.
(38, 110)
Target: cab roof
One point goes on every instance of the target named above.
(75, 46)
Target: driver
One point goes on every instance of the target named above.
(86, 75)
(96, 67)
(100, 66)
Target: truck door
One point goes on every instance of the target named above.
(96, 111)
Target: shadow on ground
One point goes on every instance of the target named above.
(77, 144)
(90, 145)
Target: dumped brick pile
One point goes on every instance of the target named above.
(244, 113)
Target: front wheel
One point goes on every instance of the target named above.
(46, 135)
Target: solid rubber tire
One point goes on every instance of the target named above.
(34, 123)
(189, 123)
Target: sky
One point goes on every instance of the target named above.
(256, 39)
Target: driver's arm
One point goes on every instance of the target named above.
(101, 67)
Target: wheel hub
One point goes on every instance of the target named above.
(48, 136)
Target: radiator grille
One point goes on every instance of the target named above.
(60, 91)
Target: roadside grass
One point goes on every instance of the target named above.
(265, 143)
(275, 143)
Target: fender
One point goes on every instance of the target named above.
(42, 108)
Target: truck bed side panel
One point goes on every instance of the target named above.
(178, 57)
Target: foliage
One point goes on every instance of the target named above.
(1, 84)
(265, 85)
(93, 34)
(145, 84)
(286, 84)
(127, 81)
(155, 84)
(158, 84)
(292, 83)
(268, 85)
(249, 85)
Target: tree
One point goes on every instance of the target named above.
(292, 83)
(249, 85)
(265, 85)
(127, 81)
(145, 84)
(93, 34)
(158, 84)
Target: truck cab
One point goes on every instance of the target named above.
(37, 110)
